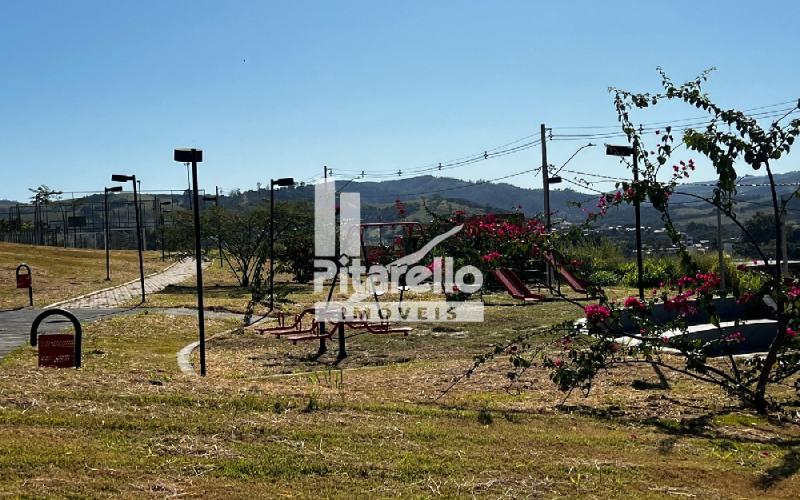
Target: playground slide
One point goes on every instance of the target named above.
(515, 287)
(575, 283)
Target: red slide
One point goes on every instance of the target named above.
(515, 287)
(575, 283)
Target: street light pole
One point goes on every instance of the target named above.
(194, 156)
(132, 178)
(287, 181)
(271, 244)
(107, 239)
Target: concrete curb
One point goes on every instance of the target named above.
(97, 292)
(184, 354)
(184, 363)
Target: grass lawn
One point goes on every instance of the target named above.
(270, 421)
(63, 273)
(222, 292)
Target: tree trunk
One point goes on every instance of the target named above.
(759, 400)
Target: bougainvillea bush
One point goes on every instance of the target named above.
(731, 141)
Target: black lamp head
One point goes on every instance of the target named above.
(188, 155)
(619, 150)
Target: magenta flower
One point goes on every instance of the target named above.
(634, 303)
(492, 256)
(735, 337)
(596, 313)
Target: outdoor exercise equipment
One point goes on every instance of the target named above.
(25, 280)
(305, 326)
(58, 350)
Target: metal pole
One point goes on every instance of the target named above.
(198, 262)
(722, 269)
(138, 236)
(106, 238)
(637, 211)
(546, 196)
(271, 243)
(188, 181)
(784, 239)
(219, 225)
(161, 222)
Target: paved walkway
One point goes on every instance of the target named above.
(15, 325)
(131, 291)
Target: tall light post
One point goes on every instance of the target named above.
(161, 212)
(194, 156)
(215, 199)
(132, 179)
(632, 151)
(107, 239)
(286, 181)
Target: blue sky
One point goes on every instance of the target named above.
(272, 89)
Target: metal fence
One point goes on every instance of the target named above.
(79, 221)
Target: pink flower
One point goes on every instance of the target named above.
(492, 256)
(634, 303)
(735, 337)
(596, 313)
(745, 298)
(791, 333)
(558, 363)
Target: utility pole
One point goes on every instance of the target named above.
(546, 197)
(638, 213)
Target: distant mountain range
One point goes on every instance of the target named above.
(753, 196)
(444, 194)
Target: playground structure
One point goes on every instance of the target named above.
(517, 288)
(387, 243)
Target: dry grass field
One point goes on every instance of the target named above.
(272, 420)
(62, 273)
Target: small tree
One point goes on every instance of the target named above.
(747, 143)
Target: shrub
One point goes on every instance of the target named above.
(605, 278)
(656, 271)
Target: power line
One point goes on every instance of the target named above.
(467, 160)
(475, 184)
(680, 120)
(678, 128)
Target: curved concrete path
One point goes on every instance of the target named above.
(126, 292)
